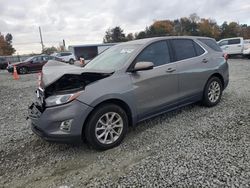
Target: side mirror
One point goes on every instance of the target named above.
(143, 65)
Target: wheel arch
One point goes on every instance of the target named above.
(218, 75)
(26, 67)
(116, 101)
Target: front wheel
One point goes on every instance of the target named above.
(106, 127)
(212, 92)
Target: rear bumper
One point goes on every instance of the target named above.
(46, 124)
(246, 52)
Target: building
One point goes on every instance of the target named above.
(89, 51)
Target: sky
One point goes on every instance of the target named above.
(81, 22)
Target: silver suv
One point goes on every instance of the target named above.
(126, 84)
(68, 57)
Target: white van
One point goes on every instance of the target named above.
(232, 46)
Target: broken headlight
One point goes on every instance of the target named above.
(60, 99)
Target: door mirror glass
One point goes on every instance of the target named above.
(143, 65)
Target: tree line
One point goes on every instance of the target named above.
(192, 26)
(6, 47)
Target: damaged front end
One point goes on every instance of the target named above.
(55, 115)
(61, 83)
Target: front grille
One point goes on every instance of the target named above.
(35, 110)
(40, 96)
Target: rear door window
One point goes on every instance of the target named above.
(157, 53)
(183, 48)
(38, 59)
(234, 41)
(65, 54)
(46, 58)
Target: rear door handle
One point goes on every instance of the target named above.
(169, 70)
(204, 61)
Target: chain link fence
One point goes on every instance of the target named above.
(15, 58)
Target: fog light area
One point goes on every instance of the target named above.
(66, 125)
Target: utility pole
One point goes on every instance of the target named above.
(64, 46)
(41, 38)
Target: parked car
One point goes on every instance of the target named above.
(31, 64)
(126, 84)
(3, 63)
(246, 50)
(68, 57)
(232, 46)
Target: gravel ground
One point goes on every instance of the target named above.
(190, 147)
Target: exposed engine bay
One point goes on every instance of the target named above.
(59, 78)
(70, 83)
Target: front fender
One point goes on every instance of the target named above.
(111, 88)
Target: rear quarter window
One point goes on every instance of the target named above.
(211, 44)
(234, 41)
(199, 50)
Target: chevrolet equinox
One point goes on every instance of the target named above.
(126, 84)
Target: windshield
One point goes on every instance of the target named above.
(113, 58)
(28, 59)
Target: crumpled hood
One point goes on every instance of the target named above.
(54, 70)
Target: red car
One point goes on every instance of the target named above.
(32, 64)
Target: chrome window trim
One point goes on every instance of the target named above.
(205, 52)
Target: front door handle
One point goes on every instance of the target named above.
(204, 61)
(169, 70)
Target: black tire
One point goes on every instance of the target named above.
(92, 123)
(22, 70)
(207, 98)
(71, 61)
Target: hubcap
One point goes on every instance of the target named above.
(22, 70)
(214, 91)
(109, 128)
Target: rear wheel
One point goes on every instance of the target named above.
(212, 93)
(71, 61)
(23, 70)
(106, 127)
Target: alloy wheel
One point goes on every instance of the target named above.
(22, 70)
(214, 91)
(109, 128)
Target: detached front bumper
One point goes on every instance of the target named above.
(10, 69)
(46, 123)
